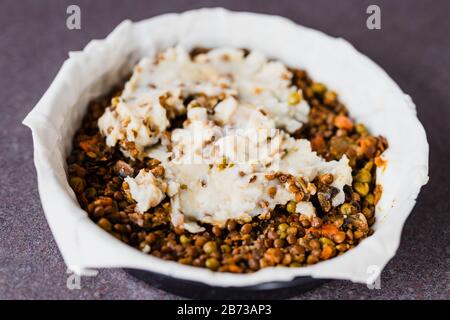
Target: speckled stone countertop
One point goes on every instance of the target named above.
(413, 46)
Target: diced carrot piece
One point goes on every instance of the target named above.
(343, 122)
(329, 230)
(327, 252)
(89, 145)
(368, 146)
(380, 163)
(377, 193)
(318, 143)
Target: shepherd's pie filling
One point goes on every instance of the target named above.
(227, 160)
(218, 164)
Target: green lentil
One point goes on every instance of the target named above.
(319, 88)
(361, 129)
(282, 227)
(363, 176)
(325, 241)
(225, 248)
(368, 166)
(329, 97)
(362, 188)
(291, 206)
(294, 98)
(347, 209)
(77, 184)
(210, 247)
(370, 199)
(90, 193)
(184, 240)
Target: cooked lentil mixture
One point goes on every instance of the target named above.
(281, 237)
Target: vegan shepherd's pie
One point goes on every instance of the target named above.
(227, 160)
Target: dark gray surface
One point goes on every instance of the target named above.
(413, 47)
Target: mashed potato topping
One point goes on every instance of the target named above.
(220, 164)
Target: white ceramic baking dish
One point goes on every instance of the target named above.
(371, 96)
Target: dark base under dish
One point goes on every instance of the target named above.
(196, 290)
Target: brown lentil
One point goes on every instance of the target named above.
(105, 224)
(291, 239)
(217, 231)
(246, 228)
(316, 222)
(339, 237)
